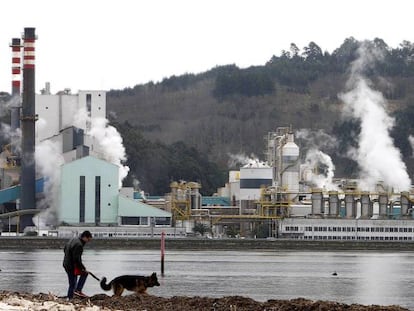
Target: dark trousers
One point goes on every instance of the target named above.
(74, 283)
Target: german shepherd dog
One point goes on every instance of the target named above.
(134, 283)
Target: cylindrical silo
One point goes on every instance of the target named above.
(383, 205)
(405, 204)
(317, 202)
(366, 205)
(334, 204)
(350, 207)
(290, 166)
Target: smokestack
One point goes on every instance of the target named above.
(16, 79)
(28, 174)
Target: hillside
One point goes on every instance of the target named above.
(227, 110)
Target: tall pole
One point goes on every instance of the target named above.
(16, 81)
(28, 176)
(162, 252)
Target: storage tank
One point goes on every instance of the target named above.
(383, 205)
(290, 166)
(334, 204)
(366, 205)
(317, 202)
(350, 208)
(405, 204)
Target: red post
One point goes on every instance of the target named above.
(162, 252)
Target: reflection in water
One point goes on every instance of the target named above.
(366, 278)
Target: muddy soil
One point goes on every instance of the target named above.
(180, 303)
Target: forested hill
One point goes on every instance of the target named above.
(187, 127)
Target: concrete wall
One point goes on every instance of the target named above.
(205, 244)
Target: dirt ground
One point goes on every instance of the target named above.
(153, 303)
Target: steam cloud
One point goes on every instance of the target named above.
(319, 162)
(48, 163)
(109, 140)
(245, 161)
(317, 159)
(378, 158)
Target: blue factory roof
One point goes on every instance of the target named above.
(215, 201)
(13, 193)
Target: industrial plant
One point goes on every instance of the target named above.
(58, 176)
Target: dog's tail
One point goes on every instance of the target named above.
(105, 286)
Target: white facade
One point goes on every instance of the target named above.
(347, 229)
(89, 192)
(57, 112)
(251, 181)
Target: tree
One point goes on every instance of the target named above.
(200, 228)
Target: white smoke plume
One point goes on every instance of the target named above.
(411, 141)
(378, 158)
(48, 165)
(245, 161)
(6, 105)
(14, 136)
(316, 139)
(323, 169)
(110, 141)
(136, 183)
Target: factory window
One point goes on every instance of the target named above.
(162, 221)
(89, 103)
(143, 221)
(254, 183)
(97, 199)
(81, 199)
(130, 220)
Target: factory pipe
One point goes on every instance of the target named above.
(28, 173)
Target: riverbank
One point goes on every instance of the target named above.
(207, 244)
(20, 301)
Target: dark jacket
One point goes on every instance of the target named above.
(73, 255)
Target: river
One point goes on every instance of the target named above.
(382, 278)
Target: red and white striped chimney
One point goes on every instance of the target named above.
(16, 65)
(16, 89)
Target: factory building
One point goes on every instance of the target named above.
(279, 194)
(89, 192)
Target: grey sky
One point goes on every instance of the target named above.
(115, 44)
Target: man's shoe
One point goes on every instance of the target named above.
(80, 294)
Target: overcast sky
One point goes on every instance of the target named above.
(103, 45)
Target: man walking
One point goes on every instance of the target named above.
(72, 262)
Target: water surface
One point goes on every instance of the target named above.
(363, 277)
